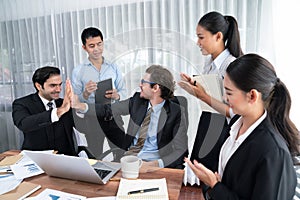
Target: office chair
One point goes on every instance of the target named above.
(182, 101)
(213, 130)
(93, 149)
(118, 152)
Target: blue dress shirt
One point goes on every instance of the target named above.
(86, 71)
(150, 148)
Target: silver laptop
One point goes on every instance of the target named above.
(75, 168)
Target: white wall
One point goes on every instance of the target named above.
(287, 44)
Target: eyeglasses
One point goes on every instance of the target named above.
(144, 81)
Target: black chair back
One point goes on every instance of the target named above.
(212, 132)
(182, 101)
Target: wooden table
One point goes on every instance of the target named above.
(173, 176)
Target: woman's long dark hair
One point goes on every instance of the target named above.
(215, 22)
(251, 71)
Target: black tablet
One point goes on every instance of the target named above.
(102, 87)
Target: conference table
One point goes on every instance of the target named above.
(174, 177)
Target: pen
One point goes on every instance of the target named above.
(143, 191)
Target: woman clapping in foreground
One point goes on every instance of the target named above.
(255, 161)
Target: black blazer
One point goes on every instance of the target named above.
(172, 128)
(30, 116)
(260, 169)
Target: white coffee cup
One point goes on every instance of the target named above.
(130, 166)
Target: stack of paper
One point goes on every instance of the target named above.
(143, 189)
(13, 169)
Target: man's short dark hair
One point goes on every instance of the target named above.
(90, 32)
(164, 78)
(41, 75)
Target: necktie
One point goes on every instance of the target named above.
(134, 150)
(50, 105)
(50, 130)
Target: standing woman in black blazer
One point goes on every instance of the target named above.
(255, 161)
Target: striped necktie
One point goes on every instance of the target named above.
(134, 150)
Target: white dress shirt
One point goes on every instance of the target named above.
(232, 143)
(54, 117)
(219, 64)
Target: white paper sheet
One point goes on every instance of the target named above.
(80, 138)
(26, 169)
(8, 182)
(50, 194)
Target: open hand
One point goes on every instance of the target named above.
(193, 87)
(204, 174)
(66, 105)
(187, 87)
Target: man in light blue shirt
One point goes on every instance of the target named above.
(86, 75)
(84, 81)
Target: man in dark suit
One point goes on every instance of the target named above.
(165, 138)
(45, 119)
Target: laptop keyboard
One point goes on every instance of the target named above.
(102, 173)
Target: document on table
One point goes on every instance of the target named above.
(143, 189)
(21, 167)
(50, 194)
(26, 169)
(22, 191)
(8, 181)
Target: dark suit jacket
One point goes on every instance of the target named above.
(260, 169)
(30, 116)
(172, 127)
